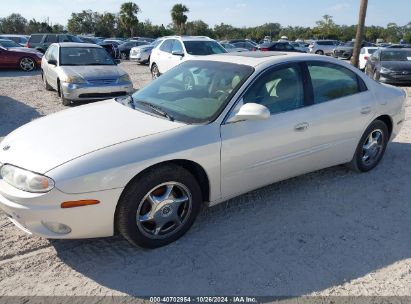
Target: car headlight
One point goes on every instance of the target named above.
(385, 70)
(26, 180)
(74, 79)
(124, 78)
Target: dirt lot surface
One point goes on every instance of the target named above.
(332, 232)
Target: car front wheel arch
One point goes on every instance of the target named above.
(194, 168)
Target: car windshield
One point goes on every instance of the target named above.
(203, 47)
(84, 56)
(228, 46)
(9, 44)
(194, 91)
(403, 55)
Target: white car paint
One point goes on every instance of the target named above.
(94, 151)
(365, 53)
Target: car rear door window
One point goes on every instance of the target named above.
(167, 45)
(280, 89)
(331, 81)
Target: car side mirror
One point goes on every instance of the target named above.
(117, 61)
(178, 53)
(52, 62)
(251, 111)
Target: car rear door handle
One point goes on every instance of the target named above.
(301, 127)
(366, 110)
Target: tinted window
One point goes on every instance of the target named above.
(35, 38)
(279, 90)
(9, 44)
(167, 45)
(331, 81)
(204, 47)
(74, 38)
(397, 55)
(51, 38)
(63, 38)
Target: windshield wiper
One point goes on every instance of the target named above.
(157, 110)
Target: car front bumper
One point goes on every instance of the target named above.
(31, 211)
(396, 78)
(87, 91)
(139, 56)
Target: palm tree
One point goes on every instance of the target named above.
(360, 33)
(128, 16)
(178, 16)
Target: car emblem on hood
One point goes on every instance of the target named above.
(5, 148)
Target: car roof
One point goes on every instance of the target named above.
(78, 44)
(255, 59)
(190, 38)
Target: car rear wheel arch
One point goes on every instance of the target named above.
(388, 122)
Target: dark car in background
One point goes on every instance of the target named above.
(279, 46)
(41, 42)
(390, 66)
(243, 43)
(13, 56)
(127, 46)
(111, 48)
(399, 46)
(345, 51)
(91, 39)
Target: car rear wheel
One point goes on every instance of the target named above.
(371, 148)
(319, 52)
(155, 72)
(27, 64)
(64, 100)
(158, 207)
(45, 82)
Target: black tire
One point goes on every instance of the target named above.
(136, 195)
(45, 83)
(358, 163)
(320, 52)
(155, 72)
(64, 100)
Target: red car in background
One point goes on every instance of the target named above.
(13, 56)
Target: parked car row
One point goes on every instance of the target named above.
(14, 56)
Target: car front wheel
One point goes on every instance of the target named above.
(155, 72)
(371, 148)
(27, 64)
(158, 207)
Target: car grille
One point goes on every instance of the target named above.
(102, 81)
(103, 95)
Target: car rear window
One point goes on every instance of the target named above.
(35, 38)
(51, 38)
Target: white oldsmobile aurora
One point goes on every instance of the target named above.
(206, 131)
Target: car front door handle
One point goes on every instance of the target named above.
(301, 127)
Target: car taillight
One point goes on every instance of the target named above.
(264, 49)
(27, 44)
(366, 58)
(254, 49)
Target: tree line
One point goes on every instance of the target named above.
(125, 23)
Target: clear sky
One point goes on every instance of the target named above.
(236, 12)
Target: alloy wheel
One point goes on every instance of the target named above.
(164, 210)
(372, 147)
(27, 64)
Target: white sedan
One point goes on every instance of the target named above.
(143, 165)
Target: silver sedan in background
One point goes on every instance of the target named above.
(82, 71)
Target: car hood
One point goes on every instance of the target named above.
(397, 65)
(48, 142)
(89, 72)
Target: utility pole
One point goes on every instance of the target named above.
(360, 33)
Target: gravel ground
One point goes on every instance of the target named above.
(331, 232)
